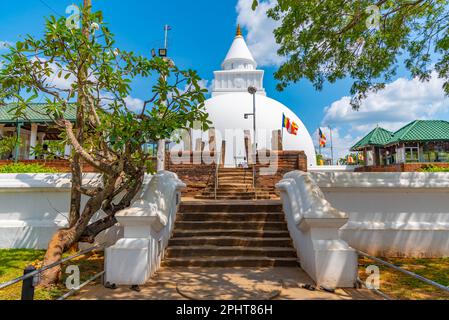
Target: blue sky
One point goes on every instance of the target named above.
(203, 30)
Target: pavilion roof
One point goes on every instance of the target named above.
(421, 130)
(34, 113)
(377, 137)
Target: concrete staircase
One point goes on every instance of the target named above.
(236, 184)
(230, 234)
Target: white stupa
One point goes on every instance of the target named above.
(231, 101)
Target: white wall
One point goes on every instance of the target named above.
(392, 214)
(314, 227)
(332, 168)
(34, 206)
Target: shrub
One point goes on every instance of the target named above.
(433, 168)
(26, 168)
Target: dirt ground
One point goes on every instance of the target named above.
(225, 284)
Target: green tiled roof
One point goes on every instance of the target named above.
(35, 113)
(377, 137)
(422, 130)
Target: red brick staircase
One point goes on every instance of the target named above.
(230, 234)
(236, 184)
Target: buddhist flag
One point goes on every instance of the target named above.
(350, 159)
(361, 157)
(291, 126)
(323, 139)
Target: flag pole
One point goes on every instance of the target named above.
(282, 132)
(319, 141)
(332, 146)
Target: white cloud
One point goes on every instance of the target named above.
(203, 83)
(56, 81)
(260, 37)
(401, 102)
(134, 104)
(4, 45)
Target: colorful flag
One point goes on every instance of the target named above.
(291, 126)
(361, 157)
(323, 139)
(350, 159)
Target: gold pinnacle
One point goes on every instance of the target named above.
(239, 31)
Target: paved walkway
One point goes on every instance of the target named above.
(225, 284)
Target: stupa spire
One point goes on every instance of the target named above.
(239, 31)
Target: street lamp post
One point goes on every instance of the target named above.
(253, 90)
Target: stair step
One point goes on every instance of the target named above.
(230, 193)
(228, 225)
(235, 191)
(235, 174)
(221, 216)
(207, 251)
(247, 170)
(226, 262)
(235, 184)
(234, 179)
(231, 233)
(249, 206)
(232, 241)
(231, 197)
(248, 188)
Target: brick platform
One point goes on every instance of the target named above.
(198, 176)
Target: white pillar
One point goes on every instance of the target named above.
(67, 151)
(138, 255)
(160, 155)
(33, 139)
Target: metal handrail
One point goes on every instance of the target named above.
(29, 276)
(254, 175)
(217, 165)
(380, 293)
(74, 290)
(50, 266)
(409, 273)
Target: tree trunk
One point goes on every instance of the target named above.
(61, 241)
(65, 238)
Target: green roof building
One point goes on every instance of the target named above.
(376, 138)
(34, 126)
(421, 141)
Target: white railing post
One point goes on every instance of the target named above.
(147, 224)
(313, 224)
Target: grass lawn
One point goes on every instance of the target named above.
(402, 287)
(12, 263)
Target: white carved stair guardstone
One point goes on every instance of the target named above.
(148, 224)
(314, 227)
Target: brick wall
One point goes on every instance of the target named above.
(404, 167)
(195, 174)
(59, 165)
(287, 161)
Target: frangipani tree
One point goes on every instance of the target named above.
(367, 41)
(107, 134)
